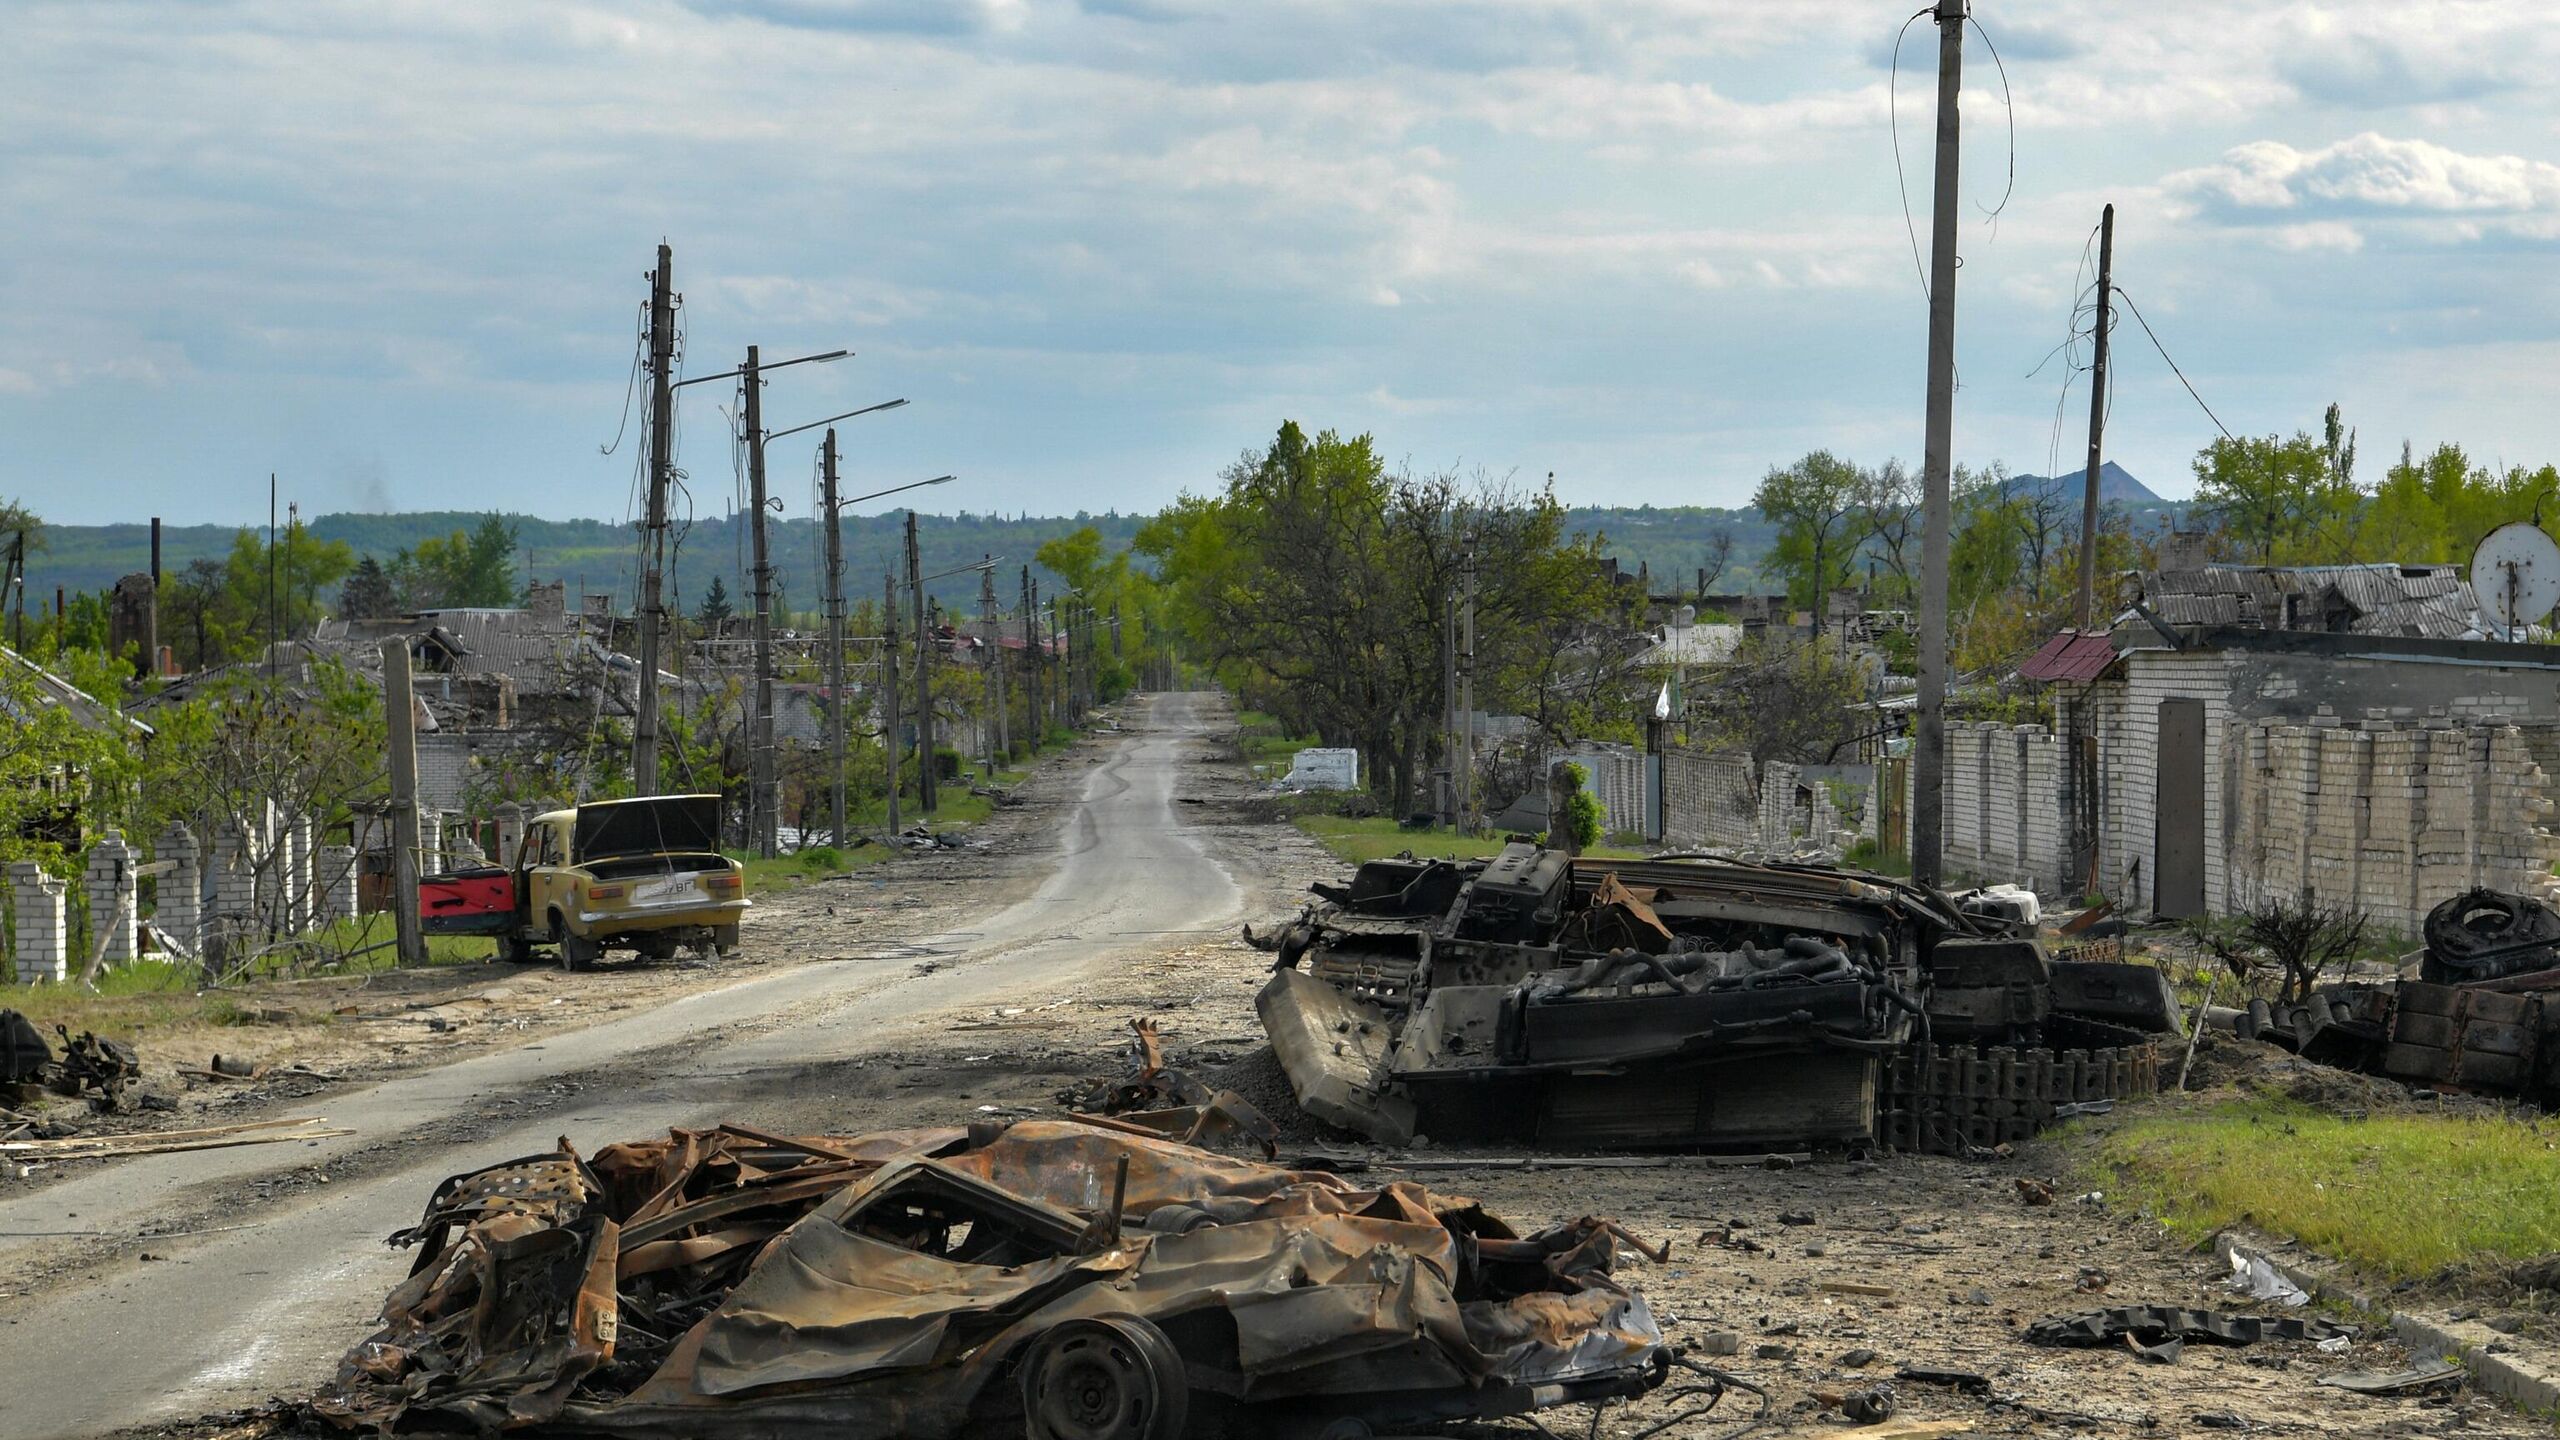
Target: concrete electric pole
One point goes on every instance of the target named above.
(1001, 736)
(653, 533)
(1929, 746)
(892, 742)
(400, 717)
(762, 807)
(927, 792)
(835, 639)
(2097, 419)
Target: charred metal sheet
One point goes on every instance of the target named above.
(2138, 996)
(922, 1284)
(1334, 1049)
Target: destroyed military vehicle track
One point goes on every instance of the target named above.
(1691, 1002)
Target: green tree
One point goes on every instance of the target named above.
(2267, 494)
(715, 606)
(368, 593)
(1816, 504)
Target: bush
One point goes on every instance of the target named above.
(821, 857)
(1581, 809)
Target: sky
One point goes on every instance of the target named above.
(395, 252)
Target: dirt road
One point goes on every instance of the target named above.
(287, 1263)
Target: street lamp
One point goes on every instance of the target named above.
(894, 489)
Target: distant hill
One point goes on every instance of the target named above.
(599, 557)
(2116, 486)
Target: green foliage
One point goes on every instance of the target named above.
(1582, 811)
(2402, 1196)
(715, 604)
(1784, 699)
(1819, 506)
(1319, 587)
(476, 567)
(369, 593)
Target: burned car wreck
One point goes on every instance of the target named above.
(1692, 1002)
(1063, 1278)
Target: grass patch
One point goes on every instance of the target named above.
(1265, 741)
(2403, 1196)
(1354, 841)
(1868, 856)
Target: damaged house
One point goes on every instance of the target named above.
(2239, 732)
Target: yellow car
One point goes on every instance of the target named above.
(644, 875)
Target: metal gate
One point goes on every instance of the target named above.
(2177, 835)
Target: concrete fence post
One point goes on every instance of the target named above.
(43, 935)
(337, 883)
(178, 906)
(109, 882)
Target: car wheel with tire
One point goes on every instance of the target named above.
(1113, 1378)
(577, 952)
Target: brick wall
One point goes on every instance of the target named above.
(2005, 820)
(2391, 819)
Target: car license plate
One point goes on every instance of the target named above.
(674, 887)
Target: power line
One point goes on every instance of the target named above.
(2006, 105)
(2173, 366)
(1893, 124)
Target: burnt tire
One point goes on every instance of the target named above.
(1115, 1378)
(656, 947)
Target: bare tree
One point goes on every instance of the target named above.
(2298, 939)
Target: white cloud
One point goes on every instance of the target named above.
(2324, 199)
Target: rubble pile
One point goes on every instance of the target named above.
(1692, 1002)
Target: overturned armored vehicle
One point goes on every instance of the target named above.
(1688, 1002)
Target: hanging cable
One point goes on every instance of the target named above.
(2005, 104)
(1893, 125)
(2173, 365)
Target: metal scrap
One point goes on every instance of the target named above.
(929, 1282)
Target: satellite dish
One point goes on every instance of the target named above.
(2515, 574)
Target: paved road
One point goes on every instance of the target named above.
(229, 1319)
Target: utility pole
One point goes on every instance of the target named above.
(400, 716)
(2084, 750)
(835, 639)
(762, 798)
(1466, 756)
(927, 793)
(1058, 671)
(17, 596)
(2097, 419)
(1002, 734)
(271, 580)
(1031, 659)
(1929, 747)
(892, 743)
(1448, 796)
(653, 533)
(151, 618)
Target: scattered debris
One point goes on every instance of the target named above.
(2147, 1327)
(90, 1064)
(2421, 1378)
(933, 1282)
(159, 1142)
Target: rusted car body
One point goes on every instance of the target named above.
(1067, 1279)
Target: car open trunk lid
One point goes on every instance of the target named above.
(649, 825)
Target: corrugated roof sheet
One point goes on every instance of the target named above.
(2428, 601)
(2071, 655)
